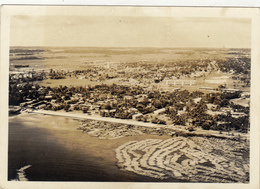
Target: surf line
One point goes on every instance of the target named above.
(21, 173)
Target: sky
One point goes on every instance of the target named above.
(129, 31)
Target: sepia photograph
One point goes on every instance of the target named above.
(130, 94)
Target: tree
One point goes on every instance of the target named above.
(206, 126)
(86, 109)
(66, 108)
(157, 104)
(145, 101)
(140, 107)
(224, 102)
(67, 97)
(108, 106)
(145, 119)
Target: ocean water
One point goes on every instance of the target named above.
(51, 148)
(57, 151)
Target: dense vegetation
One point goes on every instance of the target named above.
(144, 101)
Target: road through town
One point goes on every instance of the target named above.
(142, 124)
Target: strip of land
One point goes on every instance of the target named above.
(174, 128)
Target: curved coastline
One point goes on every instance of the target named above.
(59, 144)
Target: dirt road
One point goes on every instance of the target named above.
(138, 123)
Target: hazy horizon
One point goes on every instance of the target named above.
(130, 31)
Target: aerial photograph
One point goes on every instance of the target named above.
(129, 98)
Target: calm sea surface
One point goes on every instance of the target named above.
(58, 151)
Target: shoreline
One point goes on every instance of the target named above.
(176, 130)
(81, 157)
(62, 132)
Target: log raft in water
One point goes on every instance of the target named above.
(181, 158)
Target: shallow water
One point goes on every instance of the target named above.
(58, 151)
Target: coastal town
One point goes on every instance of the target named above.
(199, 108)
(151, 96)
(183, 93)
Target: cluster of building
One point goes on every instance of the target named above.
(22, 76)
(149, 75)
(108, 105)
